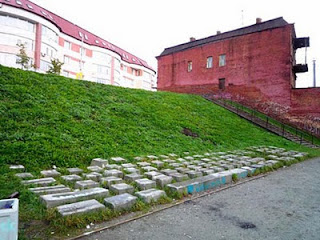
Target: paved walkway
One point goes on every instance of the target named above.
(283, 205)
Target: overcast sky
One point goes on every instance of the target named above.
(145, 27)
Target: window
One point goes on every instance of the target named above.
(65, 73)
(67, 45)
(189, 66)
(222, 60)
(209, 62)
(66, 60)
(222, 83)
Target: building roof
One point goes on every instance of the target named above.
(75, 31)
(274, 23)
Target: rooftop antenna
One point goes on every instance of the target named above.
(242, 18)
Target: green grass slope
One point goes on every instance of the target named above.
(51, 120)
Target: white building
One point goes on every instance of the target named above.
(85, 55)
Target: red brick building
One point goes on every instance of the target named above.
(254, 64)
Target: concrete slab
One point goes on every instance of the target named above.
(145, 183)
(118, 159)
(149, 169)
(50, 189)
(151, 174)
(80, 207)
(74, 170)
(24, 175)
(93, 176)
(163, 180)
(131, 177)
(53, 200)
(85, 184)
(108, 181)
(18, 168)
(71, 178)
(40, 181)
(120, 202)
(121, 188)
(99, 162)
(113, 172)
(95, 169)
(150, 195)
(50, 173)
(157, 163)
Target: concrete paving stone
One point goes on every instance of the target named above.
(128, 165)
(207, 154)
(138, 158)
(145, 183)
(85, 184)
(179, 177)
(164, 156)
(19, 168)
(245, 163)
(152, 174)
(189, 158)
(173, 155)
(57, 199)
(93, 176)
(40, 181)
(198, 156)
(121, 188)
(286, 159)
(131, 170)
(131, 177)
(113, 166)
(206, 171)
(50, 173)
(197, 168)
(143, 164)
(194, 174)
(150, 195)
(272, 157)
(113, 172)
(270, 163)
(118, 159)
(206, 160)
(226, 176)
(218, 169)
(120, 202)
(169, 161)
(158, 163)
(175, 165)
(108, 181)
(71, 178)
(74, 170)
(163, 180)
(244, 158)
(186, 153)
(80, 207)
(207, 165)
(149, 169)
(299, 155)
(24, 175)
(50, 189)
(181, 160)
(257, 166)
(249, 169)
(95, 169)
(168, 171)
(99, 162)
(241, 173)
(182, 170)
(257, 159)
(152, 157)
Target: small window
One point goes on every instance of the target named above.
(29, 6)
(189, 66)
(67, 45)
(97, 41)
(222, 60)
(86, 37)
(66, 60)
(209, 62)
(18, 2)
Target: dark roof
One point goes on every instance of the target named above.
(274, 23)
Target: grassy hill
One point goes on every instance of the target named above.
(49, 120)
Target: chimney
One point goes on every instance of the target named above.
(192, 39)
(218, 32)
(258, 20)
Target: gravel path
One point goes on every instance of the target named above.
(283, 205)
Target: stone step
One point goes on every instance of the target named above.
(120, 202)
(85, 184)
(80, 207)
(50, 190)
(50, 173)
(40, 181)
(53, 200)
(150, 195)
(24, 175)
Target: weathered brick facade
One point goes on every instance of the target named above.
(258, 69)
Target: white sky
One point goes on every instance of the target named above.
(145, 27)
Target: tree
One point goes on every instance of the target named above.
(23, 58)
(55, 67)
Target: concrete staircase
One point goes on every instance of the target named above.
(279, 130)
